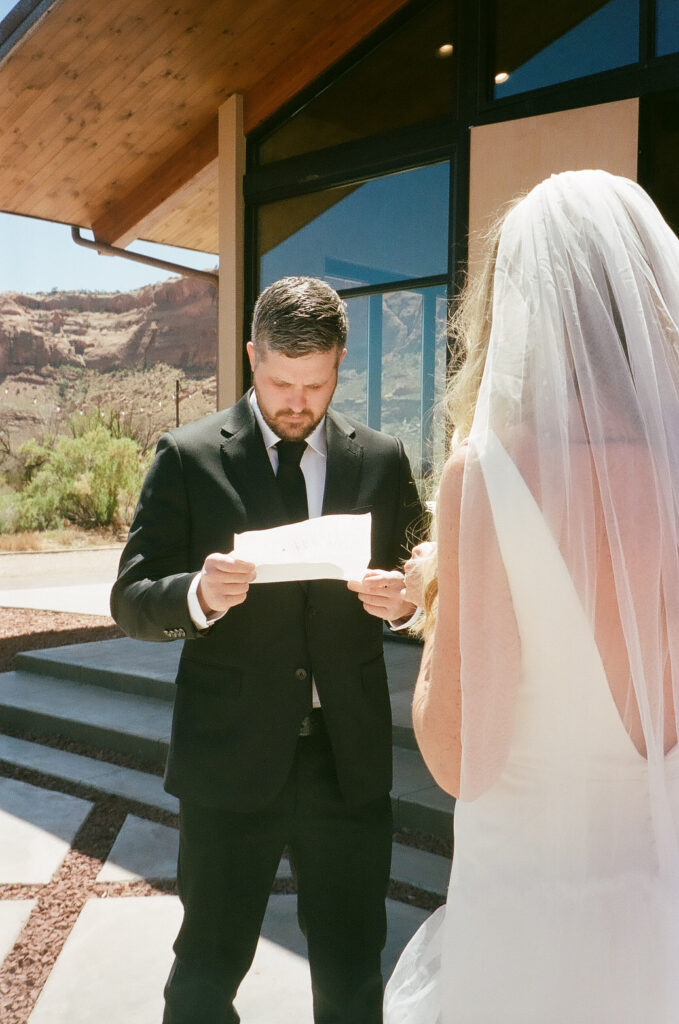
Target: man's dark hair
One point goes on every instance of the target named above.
(299, 315)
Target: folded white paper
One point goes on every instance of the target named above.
(329, 547)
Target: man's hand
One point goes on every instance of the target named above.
(421, 556)
(383, 594)
(224, 582)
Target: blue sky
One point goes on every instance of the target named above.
(36, 256)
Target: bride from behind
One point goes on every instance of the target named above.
(548, 695)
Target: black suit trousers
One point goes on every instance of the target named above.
(340, 856)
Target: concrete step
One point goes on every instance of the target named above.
(149, 669)
(139, 726)
(128, 666)
(417, 801)
(424, 870)
(140, 787)
(123, 722)
(117, 695)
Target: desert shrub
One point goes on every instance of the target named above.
(32, 456)
(7, 511)
(85, 479)
(144, 429)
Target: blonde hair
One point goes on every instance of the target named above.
(469, 330)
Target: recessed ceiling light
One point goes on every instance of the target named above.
(501, 77)
(446, 50)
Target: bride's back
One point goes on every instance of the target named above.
(630, 467)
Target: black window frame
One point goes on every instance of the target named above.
(446, 138)
(648, 74)
(359, 161)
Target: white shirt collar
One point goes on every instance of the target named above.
(315, 440)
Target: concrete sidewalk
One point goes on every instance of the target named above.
(76, 580)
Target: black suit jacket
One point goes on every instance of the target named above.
(243, 686)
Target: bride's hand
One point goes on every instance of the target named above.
(417, 571)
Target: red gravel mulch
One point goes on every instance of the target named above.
(25, 629)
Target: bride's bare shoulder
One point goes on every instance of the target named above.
(453, 473)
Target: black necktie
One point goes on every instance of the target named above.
(291, 479)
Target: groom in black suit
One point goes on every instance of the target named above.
(282, 730)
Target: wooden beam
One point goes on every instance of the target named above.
(129, 219)
(341, 35)
(231, 254)
(188, 197)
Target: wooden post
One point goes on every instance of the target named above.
(231, 255)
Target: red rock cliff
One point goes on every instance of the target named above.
(174, 322)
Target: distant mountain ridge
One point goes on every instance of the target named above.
(173, 322)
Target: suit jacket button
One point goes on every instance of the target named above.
(301, 673)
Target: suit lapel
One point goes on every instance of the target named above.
(343, 470)
(248, 469)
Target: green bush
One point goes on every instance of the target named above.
(7, 511)
(85, 479)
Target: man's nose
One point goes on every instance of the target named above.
(297, 400)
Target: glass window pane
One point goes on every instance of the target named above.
(351, 396)
(387, 229)
(666, 27)
(538, 44)
(406, 80)
(393, 377)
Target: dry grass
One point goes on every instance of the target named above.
(56, 540)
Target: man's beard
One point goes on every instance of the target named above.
(296, 429)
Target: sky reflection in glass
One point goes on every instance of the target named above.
(607, 39)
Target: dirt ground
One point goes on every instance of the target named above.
(25, 629)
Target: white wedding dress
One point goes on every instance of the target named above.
(558, 909)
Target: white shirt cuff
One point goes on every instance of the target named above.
(198, 616)
(408, 624)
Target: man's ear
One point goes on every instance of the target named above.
(251, 354)
(339, 361)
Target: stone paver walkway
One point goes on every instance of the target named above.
(88, 836)
(112, 964)
(37, 827)
(13, 916)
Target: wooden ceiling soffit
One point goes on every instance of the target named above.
(159, 202)
(285, 80)
(152, 200)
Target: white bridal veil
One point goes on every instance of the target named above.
(581, 389)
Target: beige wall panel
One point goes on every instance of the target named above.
(513, 156)
(231, 256)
